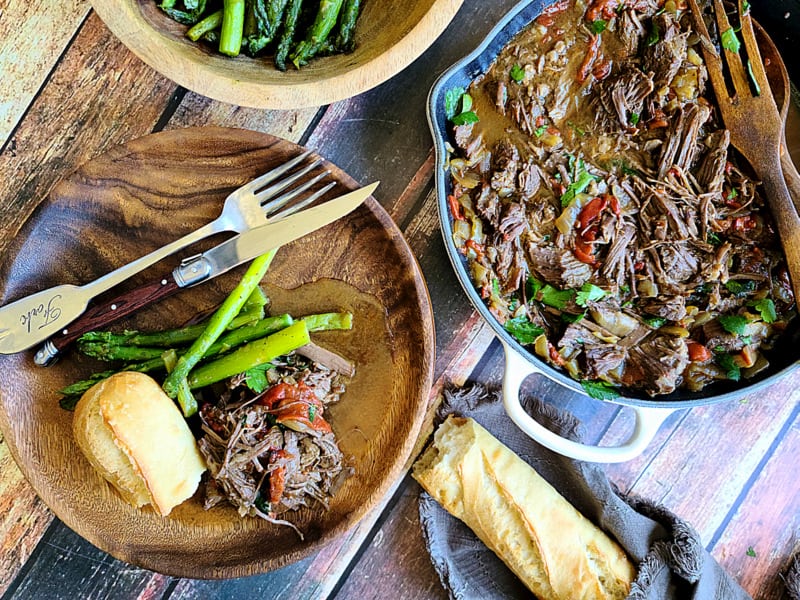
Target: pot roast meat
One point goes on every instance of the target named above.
(600, 173)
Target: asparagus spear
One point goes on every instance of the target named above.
(345, 40)
(112, 352)
(218, 322)
(318, 32)
(250, 355)
(230, 37)
(287, 36)
(202, 27)
(328, 321)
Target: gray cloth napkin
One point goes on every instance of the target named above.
(670, 556)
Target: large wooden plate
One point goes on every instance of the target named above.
(139, 196)
(389, 36)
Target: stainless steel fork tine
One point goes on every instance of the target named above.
(306, 201)
(281, 185)
(273, 205)
(735, 67)
(264, 179)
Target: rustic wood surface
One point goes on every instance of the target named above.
(76, 91)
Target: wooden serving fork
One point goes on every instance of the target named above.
(752, 117)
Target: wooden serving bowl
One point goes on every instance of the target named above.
(390, 34)
(135, 198)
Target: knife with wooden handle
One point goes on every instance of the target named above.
(190, 272)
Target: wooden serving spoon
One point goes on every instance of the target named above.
(781, 90)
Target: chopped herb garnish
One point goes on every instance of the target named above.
(655, 322)
(745, 7)
(452, 98)
(628, 170)
(625, 289)
(732, 370)
(600, 390)
(634, 118)
(312, 412)
(523, 329)
(750, 551)
(540, 130)
(765, 307)
(458, 107)
(654, 36)
(756, 87)
(533, 286)
(740, 288)
(735, 324)
(580, 131)
(569, 318)
(713, 239)
(589, 293)
(256, 378)
(599, 26)
(555, 297)
(517, 73)
(730, 41)
(496, 287)
(465, 118)
(581, 182)
(732, 194)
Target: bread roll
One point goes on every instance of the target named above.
(550, 546)
(136, 437)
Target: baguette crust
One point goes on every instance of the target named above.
(550, 546)
(136, 437)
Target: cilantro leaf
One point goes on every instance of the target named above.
(581, 182)
(568, 318)
(256, 378)
(517, 73)
(766, 307)
(451, 100)
(733, 323)
(740, 288)
(464, 118)
(750, 552)
(589, 293)
(655, 322)
(713, 239)
(312, 412)
(732, 370)
(600, 390)
(523, 329)
(730, 41)
(745, 7)
(540, 130)
(634, 118)
(555, 297)
(599, 26)
(533, 286)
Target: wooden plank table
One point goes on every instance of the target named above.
(72, 91)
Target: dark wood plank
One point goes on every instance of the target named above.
(763, 533)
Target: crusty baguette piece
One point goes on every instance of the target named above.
(550, 546)
(136, 437)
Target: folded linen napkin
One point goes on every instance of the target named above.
(671, 559)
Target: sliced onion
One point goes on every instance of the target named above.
(566, 220)
(615, 321)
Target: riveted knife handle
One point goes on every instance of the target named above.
(102, 315)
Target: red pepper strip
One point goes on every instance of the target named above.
(277, 478)
(554, 355)
(614, 203)
(602, 9)
(455, 208)
(588, 61)
(294, 405)
(698, 352)
(591, 211)
(583, 252)
(475, 246)
(744, 224)
(602, 70)
(544, 20)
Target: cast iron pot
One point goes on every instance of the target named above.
(519, 362)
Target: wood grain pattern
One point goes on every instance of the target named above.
(159, 186)
(389, 36)
(34, 35)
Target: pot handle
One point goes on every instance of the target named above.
(648, 420)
